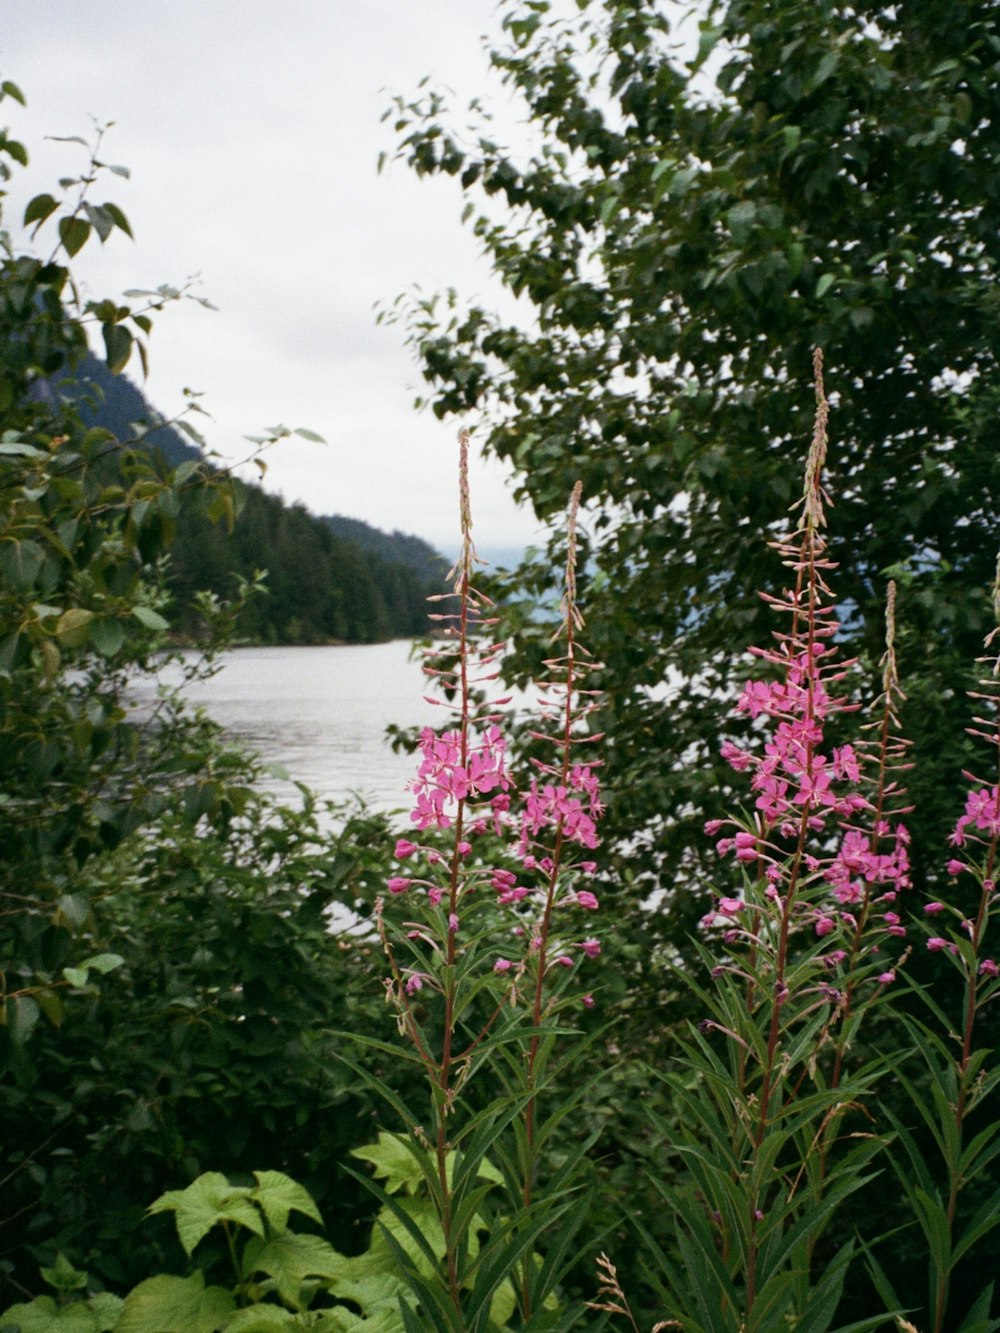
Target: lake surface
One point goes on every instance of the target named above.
(320, 714)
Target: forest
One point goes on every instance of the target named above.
(328, 578)
(672, 1005)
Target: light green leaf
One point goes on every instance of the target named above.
(309, 435)
(824, 284)
(290, 1259)
(207, 1201)
(72, 626)
(278, 1195)
(394, 1162)
(43, 1315)
(62, 1276)
(150, 618)
(106, 1308)
(167, 1304)
(104, 962)
(264, 1319)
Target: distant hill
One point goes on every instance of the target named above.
(329, 579)
(395, 547)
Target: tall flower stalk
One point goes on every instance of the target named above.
(796, 957)
(485, 932)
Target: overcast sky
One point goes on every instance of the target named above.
(252, 131)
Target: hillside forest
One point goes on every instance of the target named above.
(326, 579)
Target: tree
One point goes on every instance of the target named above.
(678, 246)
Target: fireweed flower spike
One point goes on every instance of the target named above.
(823, 854)
(492, 879)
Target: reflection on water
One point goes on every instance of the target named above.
(319, 713)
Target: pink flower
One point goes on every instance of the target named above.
(886, 978)
(936, 944)
(405, 848)
(824, 925)
(586, 899)
(587, 1001)
(955, 867)
(452, 922)
(502, 965)
(591, 948)
(931, 908)
(562, 961)
(397, 884)
(414, 982)
(988, 968)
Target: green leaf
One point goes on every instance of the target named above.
(8, 89)
(117, 346)
(150, 618)
(291, 1259)
(205, 1203)
(20, 563)
(104, 962)
(72, 626)
(62, 1276)
(117, 216)
(100, 219)
(40, 208)
(309, 435)
(107, 635)
(824, 69)
(278, 1195)
(43, 1315)
(167, 1304)
(22, 1015)
(394, 1161)
(73, 233)
(824, 284)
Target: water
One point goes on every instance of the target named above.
(319, 714)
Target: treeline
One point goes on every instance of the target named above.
(318, 587)
(331, 578)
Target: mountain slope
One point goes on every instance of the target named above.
(328, 579)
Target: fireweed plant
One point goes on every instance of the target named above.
(486, 930)
(779, 1129)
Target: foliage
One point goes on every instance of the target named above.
(276, 1274)
(84, 526)
(128, 1057)
(678, 244)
